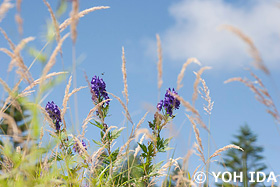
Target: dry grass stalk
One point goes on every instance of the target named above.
(11, 44)
(231, 146)
(127, 115)
(190, 108)
(159, 65)
(108, 130)
(12, 128)
(261, 94)
(146, 132)
(186, 158)
(81, 14)
(36, 82)
(199, 146)
(18, 18)
(125, 92)
(16, 57)
(90, 115)
(6, 87)
(4, 8)
(206, 97)
(55, 22)
(65, 99)
(252, 48)
(47, 117)
(182, 73)
(196, 82)
(52, 60)
(12, 98)
(80, 145)
(74, 19)
(138, 148)
(94, 158)
(196, 131)
(132, 135)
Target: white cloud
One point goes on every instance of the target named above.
(196, 34)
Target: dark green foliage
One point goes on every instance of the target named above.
(249, 160)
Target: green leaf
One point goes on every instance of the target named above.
(116, 133)
(143, 147)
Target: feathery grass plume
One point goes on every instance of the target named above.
(187, 157)
(196, 169)
(125, 92)
(52, 59)
(4, 8)
(65, 100)
(41, 136)
(258, 63)
(95, 158)
(192, 109)
(18, 18)
(36, 82)
(182, 73)
(11, 44)
(132, 135)
(138, 148)
(206, 96)
(6, 87)
(16, 58)
(91, 114)
(196, 82)
(261, 94)
(55, 22)
(198, 147)
(231, 146)
(74, 19)
(12, 98)
(46, 116)
(127, 115)
(81, 14)
(12, 128)
(159, 64)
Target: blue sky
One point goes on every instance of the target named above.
(187, 29)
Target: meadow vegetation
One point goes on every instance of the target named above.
(37, 149)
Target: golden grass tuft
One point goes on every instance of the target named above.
(207, 108)
(4, 8)
(196, 82)
(125, 91)
(90, 115)
(52, 59)
(81, 14)
(231, 146)
(159, 64)
(253, 51)
(54, 20)
(18, 17)
(182, 73)
(74, 19)
(127, 115)
(261, 94)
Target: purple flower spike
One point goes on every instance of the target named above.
(98, 88)
(170, 102)
(159, 105)
(54, 113)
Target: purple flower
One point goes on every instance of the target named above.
(159, 105)
(98, 88)
(170, 102)
(54, 113)
(78, 149)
